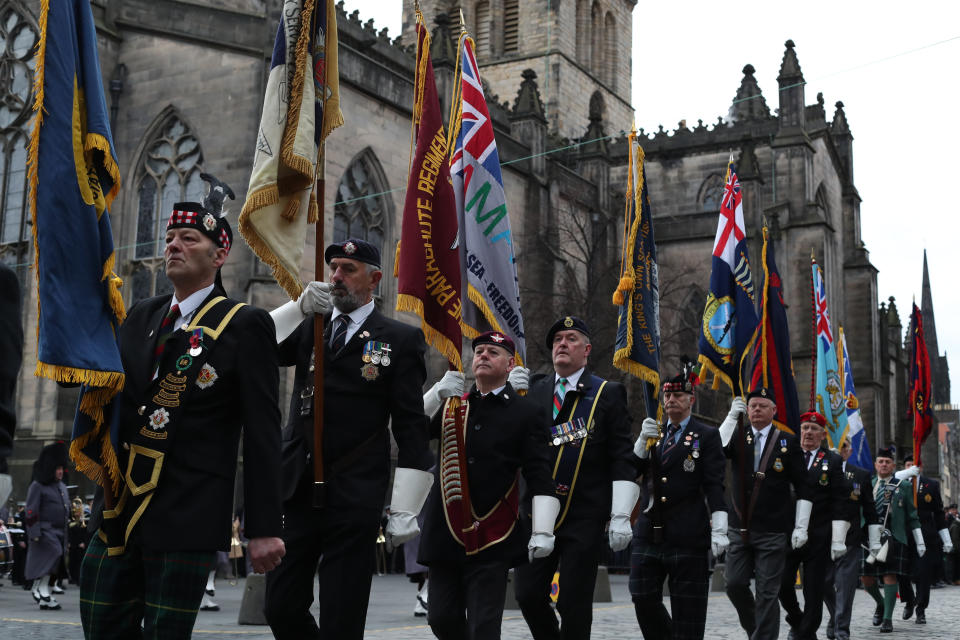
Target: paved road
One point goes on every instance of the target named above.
(391, 606)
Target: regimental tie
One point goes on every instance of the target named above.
(340, 333)
(166, 330)
(670, 440)
(558, 396)
(757, 449)
(806, 459)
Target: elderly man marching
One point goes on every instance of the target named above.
(471, 534)
(843, 575)
(684, 517)
(590, 452)
(898, 516)
(826, 539)
(766, 463)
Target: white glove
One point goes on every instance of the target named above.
(799, 536)
(286, 318)
(838, 542)
(519, 378)
(451, 384)
(718, 533)
(873, 535)
(737, 408)
(545, 511)
(410, 489)
(6, 486)
(945, 539)
(625, 494)
(921, 545)
(315, 299)
(904, 474)
(648, 430)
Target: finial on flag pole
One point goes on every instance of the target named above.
(463, 26)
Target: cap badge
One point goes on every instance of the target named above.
(568, 322)
(349, 248)
(497, 338)
(209, 222)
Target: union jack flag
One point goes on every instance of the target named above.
(486, 241)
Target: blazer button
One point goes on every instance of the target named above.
(470, 460)
(663, 480)
(476, 427)
(142, 409)
(663, 498)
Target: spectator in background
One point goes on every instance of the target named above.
(47, 514)
(11, 353)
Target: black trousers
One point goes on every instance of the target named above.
(344, 543)
(923, 571)
(688, 575)
(466, 600)
(577, 550)
(814, 557)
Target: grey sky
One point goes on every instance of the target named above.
(894, 66)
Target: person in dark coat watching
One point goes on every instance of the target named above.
(11, 353)
(47, 514)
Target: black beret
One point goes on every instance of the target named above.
(761, 392)
(355, 249)
(497, 339)
(567, 322)
(886, 452)
(194, 215)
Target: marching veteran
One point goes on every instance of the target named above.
(765, 521)
(827, 533)
(201, 369)
(684, 517)
(592, 459)
(843, 575)
(374, 373)
(894, 502)
(472, 534)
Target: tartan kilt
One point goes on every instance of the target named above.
(898, 562)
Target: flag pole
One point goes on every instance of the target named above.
(319, 487)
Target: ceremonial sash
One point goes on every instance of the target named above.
(567, 465)
(148, 444)
(474, 532)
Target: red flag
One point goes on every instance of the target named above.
(428, 264)
(919, 385)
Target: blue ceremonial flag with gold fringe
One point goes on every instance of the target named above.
(729, 323)
(637, 349)
(73, 178)
(860, 456)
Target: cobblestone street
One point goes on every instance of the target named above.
(390, 616)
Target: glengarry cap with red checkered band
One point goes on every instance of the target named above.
(194, 215)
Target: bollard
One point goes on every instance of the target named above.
(254, 597)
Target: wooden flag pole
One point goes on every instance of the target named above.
(318, 479)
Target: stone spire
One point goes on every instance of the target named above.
(939, 372)
(843, 140)
(839, 126)
(749, 103)
(528, 103)
(791, 83)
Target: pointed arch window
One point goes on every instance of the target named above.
(610, 57)
(18, 38)
(362, 209)
(596, 44)
(711, 193)
(583, 32)
(483, 31)
(169, 172)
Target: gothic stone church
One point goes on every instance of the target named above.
(185, 82)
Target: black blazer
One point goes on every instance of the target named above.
(192, 507)
(505, 433)
(686, 492)
(357, 410)
(929, 505)
(828, 491)
(775, 509)
(609, 453)
(859, 507)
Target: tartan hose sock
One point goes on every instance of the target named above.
(889, 600)
(874, 592)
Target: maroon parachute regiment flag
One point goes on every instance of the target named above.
(428, 265)
(919, 385)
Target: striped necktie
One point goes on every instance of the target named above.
(558, 396)
(340, 333)
(166, 330)
(757, 450)
(670, 440)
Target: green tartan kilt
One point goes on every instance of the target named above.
(159, 590)
(898, 562)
